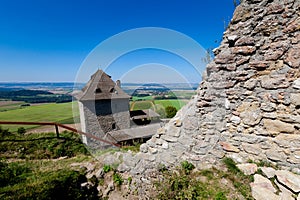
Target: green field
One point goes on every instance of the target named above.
(157, 105)
(63, 113)
(141, 105)
(10, 105)
(50, 112)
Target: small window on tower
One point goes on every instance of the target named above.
(113, 126)
(112, 90)
(98, 90)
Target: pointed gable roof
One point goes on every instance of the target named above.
(101, 87)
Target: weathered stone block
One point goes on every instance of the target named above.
(293, 26)
(259, 65)
(252, 148)
(245, 41)
(275, 126)
(250, 84)
(169, 138)
(244, 50)
(269, 172)
(274, 82)
(250, 113)
(262, 188)
(296, 84)
(274, 155)
(247, 168)
(293, 56)
(290, 180)
(295, 99)
(228, 147)
(268, 107)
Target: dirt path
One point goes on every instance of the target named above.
(47, 129)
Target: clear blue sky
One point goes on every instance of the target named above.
(47, 40)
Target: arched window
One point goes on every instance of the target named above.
(98, 90)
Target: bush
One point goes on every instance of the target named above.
(187, 166)
(170, 111)
(117, 178)
(106, 168)
(21, 131)
(5, 133)
(12, 173)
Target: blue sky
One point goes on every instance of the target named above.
(48, 40)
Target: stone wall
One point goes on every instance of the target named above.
(104, 116)
(248, 105)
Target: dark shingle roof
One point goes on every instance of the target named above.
(101, 87)
(143, 114)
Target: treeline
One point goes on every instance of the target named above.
(35, 96)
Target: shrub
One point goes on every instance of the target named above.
(170, 111)
(21, 131)
(187, 166)
(5, 133)
(107, 168)
(117, 178)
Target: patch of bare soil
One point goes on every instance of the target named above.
(48, 129)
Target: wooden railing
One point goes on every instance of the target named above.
(56, 125)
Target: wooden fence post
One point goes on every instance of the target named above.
(56, 130)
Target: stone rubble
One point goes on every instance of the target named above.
(274, 184)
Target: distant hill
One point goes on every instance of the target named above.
(33, 96)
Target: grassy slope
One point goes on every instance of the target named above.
(50, 112)
(27, 173)
(10, 105)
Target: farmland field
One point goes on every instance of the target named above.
(50, 112)
(140, 105)
(10, 105)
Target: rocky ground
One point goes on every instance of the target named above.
(269, 183)
(272, 184)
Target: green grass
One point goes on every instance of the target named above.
(50, 112)
(178, 104)
(187, 183)
(10, 105)
(136, 98)
(140, 105)
(40, 179)
(27, 170)
(40, 145)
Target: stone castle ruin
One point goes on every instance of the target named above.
(248, 105)
(104, 112)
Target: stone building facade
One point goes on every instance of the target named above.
(103, 107)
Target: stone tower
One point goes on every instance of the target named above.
(103, 107)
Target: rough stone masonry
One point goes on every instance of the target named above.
(248, 104)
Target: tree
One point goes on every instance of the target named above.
(171, 111)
